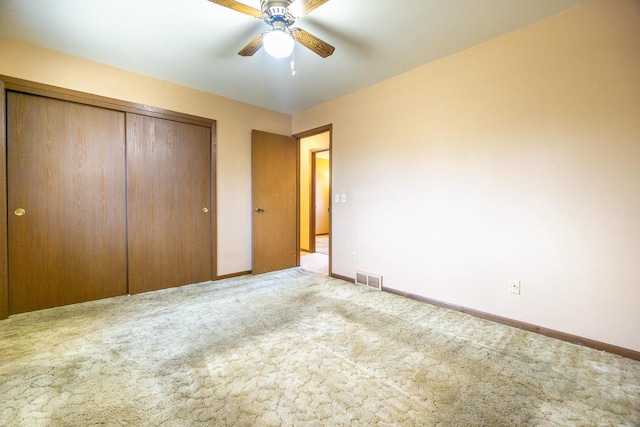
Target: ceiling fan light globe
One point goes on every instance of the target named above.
(278, 43)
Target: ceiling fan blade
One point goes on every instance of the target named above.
(299, 8)
(310, 41)
(239, 7)
(253, 46)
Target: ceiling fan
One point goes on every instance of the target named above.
(280, 15)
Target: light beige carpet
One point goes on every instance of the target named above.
(315, 263)
(298, 349)
(322, 244)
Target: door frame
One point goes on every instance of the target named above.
(306, 134)
(25, 86)
(4, 238)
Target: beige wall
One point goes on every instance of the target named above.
(307, 145)
(516, 159)
(235, 121)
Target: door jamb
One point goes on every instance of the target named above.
(4, 261)
(312, 204)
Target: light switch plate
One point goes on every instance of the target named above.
(344, 198)
(336, 198)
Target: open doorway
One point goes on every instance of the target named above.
(314, 199)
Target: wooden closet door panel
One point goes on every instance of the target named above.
(66, 169)
(169, 203)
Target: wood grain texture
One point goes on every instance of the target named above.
(239, 7)
(66, 168)
(253, 46)
(274, 179)
(168, 185)
(25, 86)
(19, 85)
(214, 201)
(232, 275)
(320, 47)
(4, 273)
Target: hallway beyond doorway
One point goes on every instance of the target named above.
(322, 244)
(315, 262)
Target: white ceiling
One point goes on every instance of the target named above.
(194, 42)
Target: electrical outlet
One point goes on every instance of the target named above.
(353, 256)
(514, 286)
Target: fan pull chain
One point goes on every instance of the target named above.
(293, 62)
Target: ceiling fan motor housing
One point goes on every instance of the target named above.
(275, 11)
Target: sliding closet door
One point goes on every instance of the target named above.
(169, 203)
(66, 197)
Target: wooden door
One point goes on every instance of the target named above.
(275, 206)
(66, 171)
(169, 195)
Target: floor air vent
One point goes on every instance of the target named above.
(368, 279)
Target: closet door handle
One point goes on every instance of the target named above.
(205, 210)
(19, 212)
